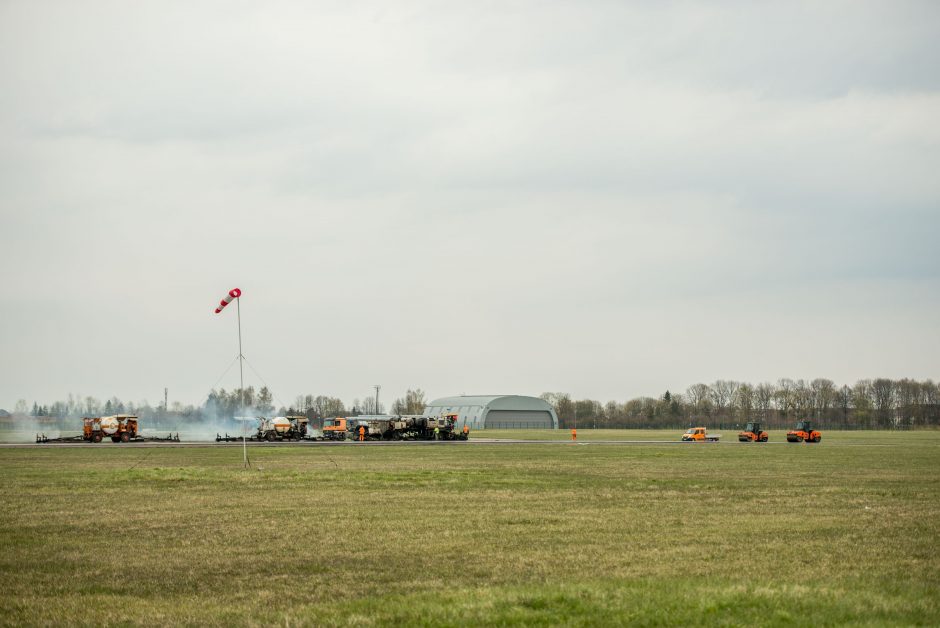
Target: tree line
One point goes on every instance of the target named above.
(868, 404)
(222, 405)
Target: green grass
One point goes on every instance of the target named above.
(844, 532)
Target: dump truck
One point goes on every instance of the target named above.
(120, 428)
(804, 432)
(273, 429)
(699, 434)
(753, 433)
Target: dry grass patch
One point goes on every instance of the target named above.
(475, 534)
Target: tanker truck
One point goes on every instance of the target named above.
(120, 428)
(273, 429)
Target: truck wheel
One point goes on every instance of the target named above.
(125, 437)
(763, 438)
(270, 437)
(96, 438)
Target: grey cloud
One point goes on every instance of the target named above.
(467, 197)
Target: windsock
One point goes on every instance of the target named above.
(232, 294)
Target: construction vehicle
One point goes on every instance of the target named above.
(334, 429)
(120, 428)
(753, 433)
(406, 427)
(274, 429)
(374, 427)
(284, 428)
(699, 435)
(463, 434)
(804, 432)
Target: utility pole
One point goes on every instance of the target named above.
(166, 392)
(377, 388)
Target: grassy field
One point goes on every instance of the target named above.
(844, 532)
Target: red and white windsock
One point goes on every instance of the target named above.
(232, 294)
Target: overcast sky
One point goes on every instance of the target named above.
(606, 198)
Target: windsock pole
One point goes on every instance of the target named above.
(241, 377)
(234, 295)
(241, 356)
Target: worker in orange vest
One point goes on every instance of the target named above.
(466, 429)
(362, 433)
(574, 434)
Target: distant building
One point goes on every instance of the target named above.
(497, 411)
(4, 414)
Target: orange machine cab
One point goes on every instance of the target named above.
(753, 434)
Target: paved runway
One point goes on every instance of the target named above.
(401, 443)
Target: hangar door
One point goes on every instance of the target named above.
(509, 419)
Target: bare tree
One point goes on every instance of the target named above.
(744, 401)
(883, 395)
(263, 403)
(763, 399)
(862, 402)
(699, 396)
(612, 411)
(722, 393)
(932, 402)
(564, 408)
(824, 396)
(550, 397)
(844, 399)
(415, 401)
(783, 396)
(369, 407)
(92, 406)
(802, 398)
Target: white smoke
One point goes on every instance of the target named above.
(207, 427)
(24, 429)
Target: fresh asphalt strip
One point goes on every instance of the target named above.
(411, 443)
